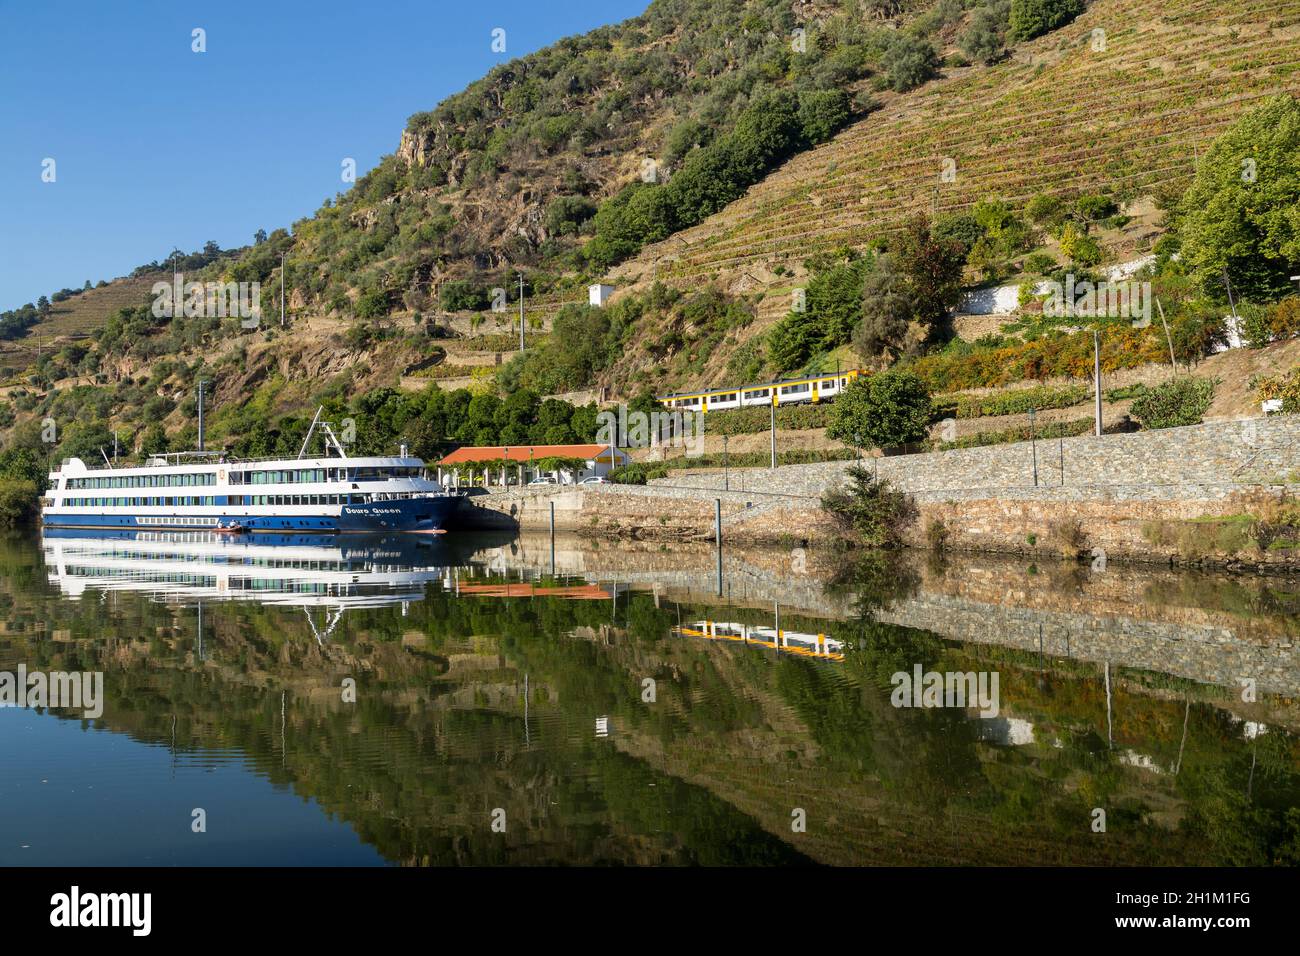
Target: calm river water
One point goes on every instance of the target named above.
(494, 700)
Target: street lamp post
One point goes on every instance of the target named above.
(521, 311)
(1096, 376)
(1033, 444)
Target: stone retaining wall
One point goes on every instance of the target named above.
(1252, 451)
(1119, 492)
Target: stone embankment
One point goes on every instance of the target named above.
(1181, 495)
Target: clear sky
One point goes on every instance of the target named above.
(157, 146)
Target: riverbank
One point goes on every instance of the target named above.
(1225, 494)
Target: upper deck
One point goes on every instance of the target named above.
(73, 473)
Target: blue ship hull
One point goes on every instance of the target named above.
(404, 514)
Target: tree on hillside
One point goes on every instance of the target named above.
(822, 113)
(908, 62)
(882, 411)
(833, 309)
(886, 311)
(933, 268)
(792, 341)
(985, 39)
(1031, 18)
(1240, 216)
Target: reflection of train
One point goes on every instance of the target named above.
(792, 642)
(789, 391)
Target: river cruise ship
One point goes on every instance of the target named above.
(213, 491)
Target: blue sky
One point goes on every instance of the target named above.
(157, 146)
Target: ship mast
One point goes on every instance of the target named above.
(331, 440)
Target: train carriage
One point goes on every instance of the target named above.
(789, 391)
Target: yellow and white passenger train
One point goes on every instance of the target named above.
(786, 391)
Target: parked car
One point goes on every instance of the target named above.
(543, 480)
(593, 480)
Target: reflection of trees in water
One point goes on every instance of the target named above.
(428, 750)
(875, 579)
(1276, 599)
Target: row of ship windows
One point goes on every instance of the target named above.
(234, 584)
(312, 475)
(145, 481)
(198, 500)
(182, 501)
(287, 476)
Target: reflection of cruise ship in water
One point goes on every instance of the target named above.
(323, 570)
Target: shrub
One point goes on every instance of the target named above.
(460, 295)
(1019, 401)
(1031, 18)
(740, 421)
(908, 62)
(1285, 387)
(1078, 426)
(1079, 247)
(958, 227)
(1179, 401)
(567, 214)
(1260, 326)
(372, 304)
(936, 534)
(984, 40)
(1039, 263)
(1068, 533)
(822, 113)
(17, 502)
(868, 511)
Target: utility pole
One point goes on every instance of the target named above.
(282, 290)
(726, 468)
(773, 406)
(201, 414)
(1168, 338)
(1033, 444)
(1231, 304)
(177, 309)
(1096, 374)
(521, 311)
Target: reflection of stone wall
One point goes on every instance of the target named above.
(1208, 654)
(1163, 621)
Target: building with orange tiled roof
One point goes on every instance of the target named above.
(517, 464)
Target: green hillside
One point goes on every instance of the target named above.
(716, 161)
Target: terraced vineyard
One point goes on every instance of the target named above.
(1068, 113)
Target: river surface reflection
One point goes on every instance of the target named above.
(468, 699)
